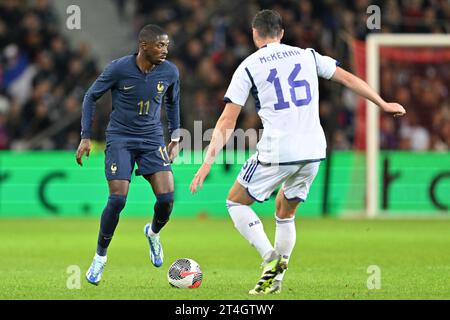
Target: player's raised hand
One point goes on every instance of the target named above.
(199, 177)
(83, 148)
(395, 109)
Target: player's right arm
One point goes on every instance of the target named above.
(103, 83)
(235, 97)
(222, 132)
(361, 88)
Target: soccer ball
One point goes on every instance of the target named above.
(185, 273)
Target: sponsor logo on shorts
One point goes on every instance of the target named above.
(113, 168)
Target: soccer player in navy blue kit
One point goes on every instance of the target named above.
(139, 83)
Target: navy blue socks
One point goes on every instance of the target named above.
(163, 209)
(109, 221)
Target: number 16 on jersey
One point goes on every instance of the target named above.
(282, 104)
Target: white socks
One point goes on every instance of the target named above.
(249, 225)
(285, 237)
(150, 232)
(101, 258)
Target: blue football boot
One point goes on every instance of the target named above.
(156, 250)
(94, 274)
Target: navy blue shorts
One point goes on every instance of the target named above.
(121, 156)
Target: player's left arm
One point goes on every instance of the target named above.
(222, 132)
(361, 88)
(172, 102)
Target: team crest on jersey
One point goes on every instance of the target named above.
(160, 87)
(159, 91)
(113, 168)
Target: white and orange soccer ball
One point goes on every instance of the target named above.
(185, 273)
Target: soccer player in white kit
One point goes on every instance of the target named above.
(284, 83)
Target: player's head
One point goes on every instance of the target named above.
(153, 43)
(267, 25)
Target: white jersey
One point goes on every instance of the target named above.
(284, 82)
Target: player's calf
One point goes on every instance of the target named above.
(109, 221)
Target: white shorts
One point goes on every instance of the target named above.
(261, 180)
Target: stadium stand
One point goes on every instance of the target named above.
(43, 79)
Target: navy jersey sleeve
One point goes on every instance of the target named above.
(103, 83)
(172, 101)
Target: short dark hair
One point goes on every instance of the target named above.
(150, 32)
(268, 23)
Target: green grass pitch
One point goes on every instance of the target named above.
(330, 260)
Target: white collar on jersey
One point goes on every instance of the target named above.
(271, 44)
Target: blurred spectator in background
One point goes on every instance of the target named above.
(4, 109)
(39, 72)
(415, 136)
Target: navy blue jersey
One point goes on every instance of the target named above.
(136, 100)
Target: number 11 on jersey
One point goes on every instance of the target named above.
(141, 105)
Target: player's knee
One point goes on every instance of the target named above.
(165, 200)
(164, 205)
(117, 202)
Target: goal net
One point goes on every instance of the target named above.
(406, 160)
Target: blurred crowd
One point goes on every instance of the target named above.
(425, 90)
(42, 80)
